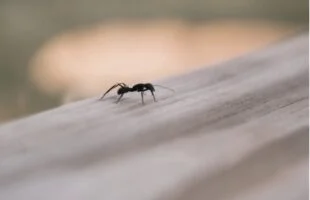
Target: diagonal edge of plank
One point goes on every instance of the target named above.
(238, 130)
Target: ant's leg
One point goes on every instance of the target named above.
(142, 98)
(153, 96)
(111, 89)
(119, 98)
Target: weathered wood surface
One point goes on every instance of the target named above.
(234, 131)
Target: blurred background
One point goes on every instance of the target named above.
(54, 52)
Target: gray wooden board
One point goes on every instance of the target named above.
(237, 130)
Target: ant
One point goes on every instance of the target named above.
(140, 87)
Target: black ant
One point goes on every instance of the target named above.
(140, 87)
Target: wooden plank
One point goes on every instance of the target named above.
(238, 130)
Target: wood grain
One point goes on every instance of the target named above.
(237, 130)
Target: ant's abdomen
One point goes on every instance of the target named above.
(150, 87)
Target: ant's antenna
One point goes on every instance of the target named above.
(165, 87)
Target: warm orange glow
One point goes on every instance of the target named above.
(85, 62)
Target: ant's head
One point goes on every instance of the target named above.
(122, 90)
